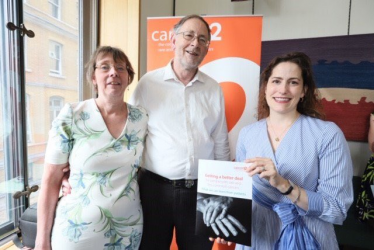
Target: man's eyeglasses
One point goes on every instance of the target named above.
(106, 68)
(190, 36)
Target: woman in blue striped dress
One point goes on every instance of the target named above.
(300, 164)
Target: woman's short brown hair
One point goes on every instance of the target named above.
(118, 56)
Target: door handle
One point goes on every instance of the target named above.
(27, 192)
(23, 29)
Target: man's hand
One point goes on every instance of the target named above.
(221, 241)
(66, 188)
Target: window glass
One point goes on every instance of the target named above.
(28, 126)
(25, 52)
(55, 8)
(11, 119)
(55, 105)
(53, 79)
(55, 57)
(36, 81)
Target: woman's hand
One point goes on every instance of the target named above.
(265, 168)
(66, 187)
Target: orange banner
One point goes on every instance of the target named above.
(233, 61)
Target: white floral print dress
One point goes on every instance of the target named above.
(103, 210)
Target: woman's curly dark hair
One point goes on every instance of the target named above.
(310, 104)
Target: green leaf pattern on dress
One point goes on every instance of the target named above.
(115, 227)
(365, 200)
(128, 190)
(62, 128)
(128, 141)
(134, 114)
(82, 131)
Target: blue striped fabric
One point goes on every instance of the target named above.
(294, 234)
(315, 156)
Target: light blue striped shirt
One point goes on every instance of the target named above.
(315, 156)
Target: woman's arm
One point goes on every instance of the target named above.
(48, 197)
(335, 178)
(371, 133)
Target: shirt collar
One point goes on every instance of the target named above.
(170, 75)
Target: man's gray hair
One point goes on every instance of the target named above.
(184, 19)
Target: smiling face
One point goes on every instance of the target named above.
(189, 54)
(110, 77)
(284, 88)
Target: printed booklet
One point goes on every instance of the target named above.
(224, 201)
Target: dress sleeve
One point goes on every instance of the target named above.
(335, 191)
(60, 142)
(136, 98)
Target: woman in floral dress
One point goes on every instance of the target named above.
(102, 140)
(365, 199)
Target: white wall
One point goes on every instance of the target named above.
(283, 19)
